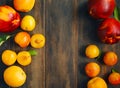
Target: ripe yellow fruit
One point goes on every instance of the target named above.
(92, 51)
(24, 58)
(96, 82)
(37, 41)
(23, 5)
(9, 57)
(14, 76)
(28, 23)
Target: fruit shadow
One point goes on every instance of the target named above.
(87, 25)
(2, 68)
(82, 78)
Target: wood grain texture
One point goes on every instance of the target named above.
(61, 45)
(68, 29)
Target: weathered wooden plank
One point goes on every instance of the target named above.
(68, 29)
(61, 45)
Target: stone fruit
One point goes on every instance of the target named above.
(110, 58)
(101, 8)
(22, 39)
(23, 5)
(92, 51)
(24, 58)
(109, 31)
(14, 76)
(37, 41)
(114, 78)
(27, 23)
(9, 57)
(92, 69)
(9, 19)
(97, 82)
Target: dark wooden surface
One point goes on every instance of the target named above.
(68, 29)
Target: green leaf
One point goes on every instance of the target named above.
(117, 13)
(4, 38)
(32, 52)
(114, 70)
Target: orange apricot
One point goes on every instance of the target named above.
(22, 39)
(92, 69)
(23, 5)
(114, 78)
(110, 58)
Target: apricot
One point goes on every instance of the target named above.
(92, 51)
(92, 69)
(9, 57)
(110, 58)
(97, 82)
(23, 5)
(37, 41)
(24, 58)
(114, 78)
(14, 76)
(22, 39)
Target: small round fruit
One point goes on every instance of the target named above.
(22, 39)
(9, 57)
(97, 82)
(14, 76)
(24, 58)
(37, 41)
(110, 58)
(114, 78)
(23, 5)
(92, 51)
(28, 23)
(92, 69)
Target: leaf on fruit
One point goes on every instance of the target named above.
(117, 13)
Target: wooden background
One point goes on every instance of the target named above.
(68, 29)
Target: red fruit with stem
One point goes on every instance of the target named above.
(101, 8)
(109, 31)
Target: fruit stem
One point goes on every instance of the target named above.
(4, 38)
(32, 52)
(114, 70)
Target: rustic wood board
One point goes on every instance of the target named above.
(68, 29)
